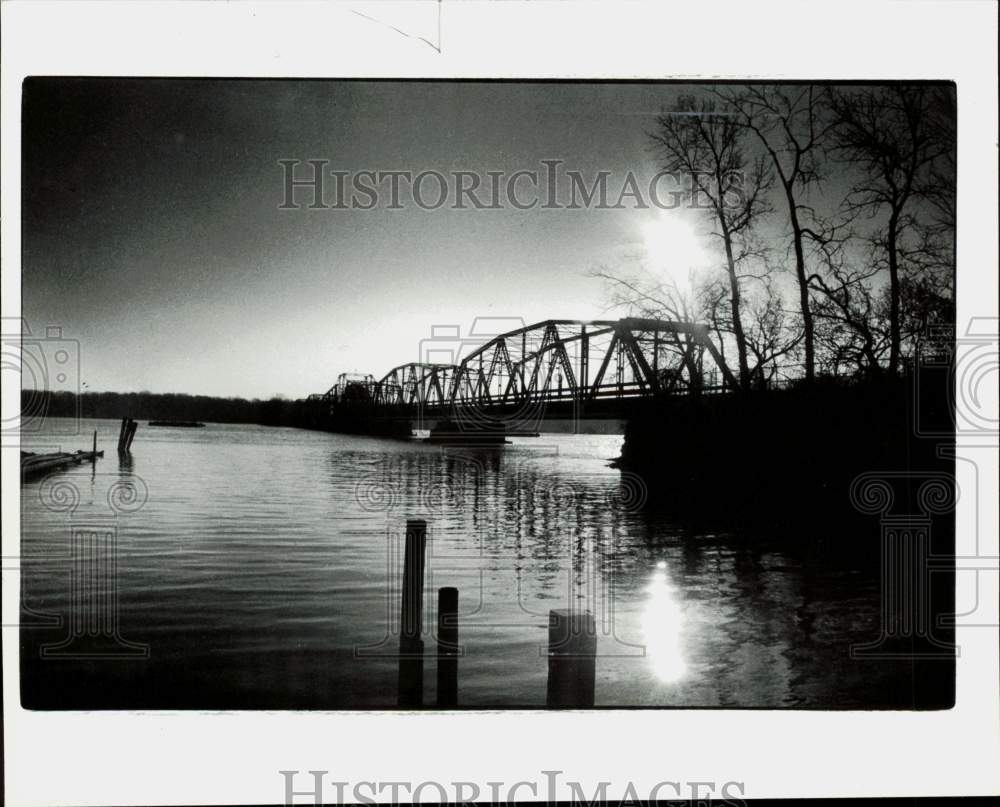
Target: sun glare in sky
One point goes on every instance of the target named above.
(674, 249)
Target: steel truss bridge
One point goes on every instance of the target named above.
(567, 367)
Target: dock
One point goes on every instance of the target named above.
(33, 464)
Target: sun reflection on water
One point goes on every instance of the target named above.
(663, 627)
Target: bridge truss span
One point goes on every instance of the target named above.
(554, 368)
(555, 360)
(416, 384)
(559, 360)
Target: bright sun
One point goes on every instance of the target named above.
(673, 249)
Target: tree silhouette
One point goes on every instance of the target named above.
(899, 139)
(706, 145)
(791, 123)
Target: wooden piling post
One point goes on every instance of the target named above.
(411, 674)
(94, 450)
(411, 646)
(133, 425)
(413, 580)
(121, 435)
(572, 658)
(447, 657)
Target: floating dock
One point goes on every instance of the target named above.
(34, 464)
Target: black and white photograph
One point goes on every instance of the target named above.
(357, 395)
(594, 394)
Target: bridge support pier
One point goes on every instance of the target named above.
(447, 432)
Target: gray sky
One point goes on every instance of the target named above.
(152, 231)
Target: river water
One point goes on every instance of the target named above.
(259, 567)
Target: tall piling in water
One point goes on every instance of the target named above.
(411, 645)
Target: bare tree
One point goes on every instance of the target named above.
(769, 337)
(767, 334)
(873, 251)
(706, 146)
(791, 124)
(850, 316)
(644, 294)
(899, 140)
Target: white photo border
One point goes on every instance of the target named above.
(81, 758)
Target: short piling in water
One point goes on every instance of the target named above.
(572, 659)
(447, 655)
(411, 645)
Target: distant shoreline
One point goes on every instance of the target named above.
(157, 406)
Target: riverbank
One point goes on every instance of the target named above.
(773, 458)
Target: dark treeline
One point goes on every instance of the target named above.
(161, 406)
